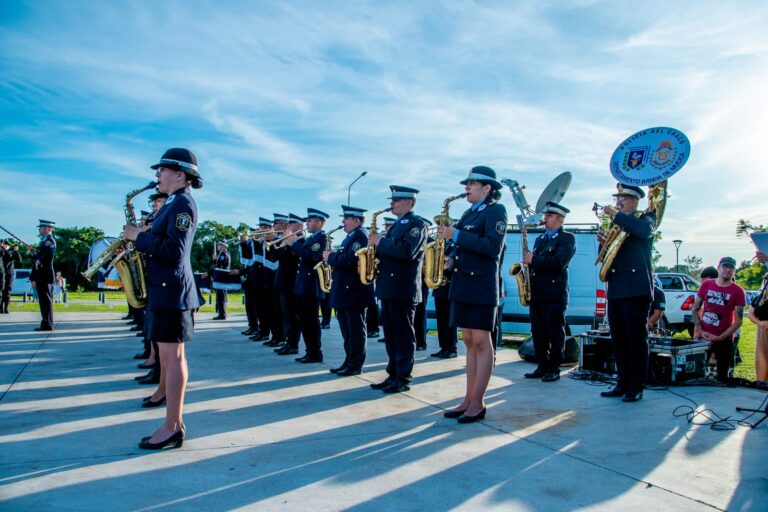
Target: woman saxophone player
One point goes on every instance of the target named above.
(172, 293)
(479, 240)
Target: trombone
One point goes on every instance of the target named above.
(277, 243)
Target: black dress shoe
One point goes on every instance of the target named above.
(614, 392)
(373, 334)
(383, 384)
(175, 441)
(632, 396)
(126, 317)
(449, 355)
(382, 340)
(550, 377)
(44, 328)
(145, 376)
(421, 347)
(453, 414)
(348, 372)
(140, 334)
(325, 326)
(339, 369)
(301, 359)
(535, 374)
(135, 328)
(285, 350)
(471, 419)
(397, 387)
(150, 403)
(141, 355)
(219, 317)
(273, 343)
(249, 332)
(439, 353)
(313, 359)
(260, 337)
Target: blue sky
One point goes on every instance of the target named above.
(285, 103)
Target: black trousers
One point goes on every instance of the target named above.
(310, 324)
(628, 319)
(275, 311)
(251, 310)
(352, 326)
(6, 296)
(724, 352)
(221, 303)
(397, 320)
(325, 308)
(446, 335)
(420, 323)
(372, 317)
(548, 330)
(45, 300)
(291, 322)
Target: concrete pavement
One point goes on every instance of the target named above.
(266, 433)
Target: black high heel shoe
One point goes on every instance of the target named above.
(452, 414)
(471, 419)
(150, 403)
(183, 429)
(175, 441)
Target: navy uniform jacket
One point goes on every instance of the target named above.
(347, 290)
(401, 255)
(443, 291)
(549, 267)
(631, 274)
(285, 276)
(477, 255)
(224, 260)
(247, 262)
(42, 264)
(10, 258)
(310, 252)
(168, 246)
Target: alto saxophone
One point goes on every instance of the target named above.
(434, 252)
(323, 269)
(521, 272)
(128, 263)
(367, 264)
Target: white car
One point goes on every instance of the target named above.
(680, 291)
(21, 284)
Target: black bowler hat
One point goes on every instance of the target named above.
(184, 160)
(313, 212)
(484, 175)
(158, 195)
(46, 224)
(399, 192)
(353, 211)
(629, 191)
(553, 207)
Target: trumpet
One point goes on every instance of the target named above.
(280, 242)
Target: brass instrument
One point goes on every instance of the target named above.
(367, 264)
(434, 252)
(615, 235)
(129, 263)
(277, 243)
(323, 269)
(520, 271)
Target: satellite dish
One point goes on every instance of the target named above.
(554, 192)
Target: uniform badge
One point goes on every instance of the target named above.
(501, 227)
(356, 246)
(183, 221)
(170, 199)
(414, 232)
(315, 247)
(482, 207)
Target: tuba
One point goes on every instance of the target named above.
(129, 263)
(367, 264)
(323, 269)
(434, 252)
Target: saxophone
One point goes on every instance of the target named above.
(521, 272)
(128, 263)
(434, 252)
(323, 269)
(615, 236)
(367, 264)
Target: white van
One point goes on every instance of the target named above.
(587, 301)
(21, 284)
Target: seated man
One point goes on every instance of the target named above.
(717, 315)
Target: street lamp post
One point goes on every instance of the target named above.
(349, 188)
(677, 243)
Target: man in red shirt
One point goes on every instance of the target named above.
(717, 315)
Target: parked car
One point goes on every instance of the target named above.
(21, 284)
(587, 302)
(680, 291)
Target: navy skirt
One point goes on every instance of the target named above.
(473, 316)
(175, 326)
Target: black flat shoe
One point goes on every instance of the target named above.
(396, 388)
(449, 355)
(347, 372)
(43, 329)
(313, 359)
(337, 370)
(550, 377)
(383, 384)
(285, 350)
(471, 419)
(150, 403)
(248, 332)
(175, 441)
(614, 392)
(453, 414)
(439, 354)
(536, 374)
(632, 396)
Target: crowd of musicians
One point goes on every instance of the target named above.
(284, 291)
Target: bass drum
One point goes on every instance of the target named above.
(106, 280)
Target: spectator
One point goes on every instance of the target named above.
(758, 313)
(59, 285)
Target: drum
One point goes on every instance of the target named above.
(222, 280)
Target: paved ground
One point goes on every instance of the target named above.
(266, 433)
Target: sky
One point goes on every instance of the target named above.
(285, 103)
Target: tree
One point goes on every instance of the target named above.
(206, 236)
(72, 248)
(750, 275)
(692, 265)
(656, 256)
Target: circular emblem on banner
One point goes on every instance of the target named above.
(650, 156)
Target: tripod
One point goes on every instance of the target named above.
(763, 411)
